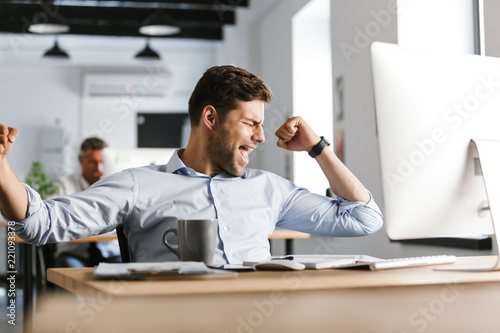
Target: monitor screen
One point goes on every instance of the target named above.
(428, 107)
(162, 130)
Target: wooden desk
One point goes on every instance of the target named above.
(289, 236)
(404, 300)
(28, 260)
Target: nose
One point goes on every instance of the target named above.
(258, 134)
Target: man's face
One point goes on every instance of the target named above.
(92, 165)
(235, 138)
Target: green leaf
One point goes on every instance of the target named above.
(40, 181)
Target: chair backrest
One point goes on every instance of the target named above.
(123, 243)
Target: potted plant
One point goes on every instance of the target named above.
(40, 181)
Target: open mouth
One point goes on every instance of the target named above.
(244, 152)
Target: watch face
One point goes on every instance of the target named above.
(316, 150)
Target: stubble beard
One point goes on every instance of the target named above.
(222, 154)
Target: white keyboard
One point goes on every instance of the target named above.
(412, 262)
(404, 262)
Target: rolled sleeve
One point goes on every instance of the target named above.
(26, 231)
(319, 215)
(367, 212)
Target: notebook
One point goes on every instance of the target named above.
(159, 270)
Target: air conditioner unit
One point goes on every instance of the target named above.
(144, 84)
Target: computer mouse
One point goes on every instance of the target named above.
(280, 265)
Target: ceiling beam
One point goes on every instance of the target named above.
(203, 20)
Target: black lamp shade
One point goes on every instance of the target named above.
(148, 53)
(56, 52)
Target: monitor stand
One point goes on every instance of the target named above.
(488, 152)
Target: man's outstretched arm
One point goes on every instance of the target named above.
(296, 135)
(13, 195)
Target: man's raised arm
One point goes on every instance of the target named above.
(13, 195)
(296, 135)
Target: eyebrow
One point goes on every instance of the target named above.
(254, 121)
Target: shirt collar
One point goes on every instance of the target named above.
(176, 166)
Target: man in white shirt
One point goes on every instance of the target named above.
(207, 179)
(85, 254)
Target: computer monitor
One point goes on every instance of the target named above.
(163, 130)
(116, 160)
(428, 108)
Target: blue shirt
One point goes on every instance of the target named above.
(148, 200)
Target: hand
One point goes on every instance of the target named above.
(295, 134)
(7, 137)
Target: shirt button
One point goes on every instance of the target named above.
(225, 228)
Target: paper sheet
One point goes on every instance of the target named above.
(124, 270)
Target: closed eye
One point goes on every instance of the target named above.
(252, 123)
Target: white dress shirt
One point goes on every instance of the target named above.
(148, 200)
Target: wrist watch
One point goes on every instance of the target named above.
(318, 148)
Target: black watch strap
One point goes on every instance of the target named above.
(318, 148)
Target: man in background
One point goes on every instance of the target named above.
(80, 254)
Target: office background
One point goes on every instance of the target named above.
(37, 94)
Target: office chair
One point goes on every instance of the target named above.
(123, 243)
(44, 259)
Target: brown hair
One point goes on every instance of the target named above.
(92, 144)
(223, 87)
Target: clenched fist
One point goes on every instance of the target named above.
(7, 137)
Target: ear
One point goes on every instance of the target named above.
(209, 117)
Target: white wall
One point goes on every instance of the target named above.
(449, 26)
(34, 97)
(276, 70)
(355, 24)
(312, 86)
